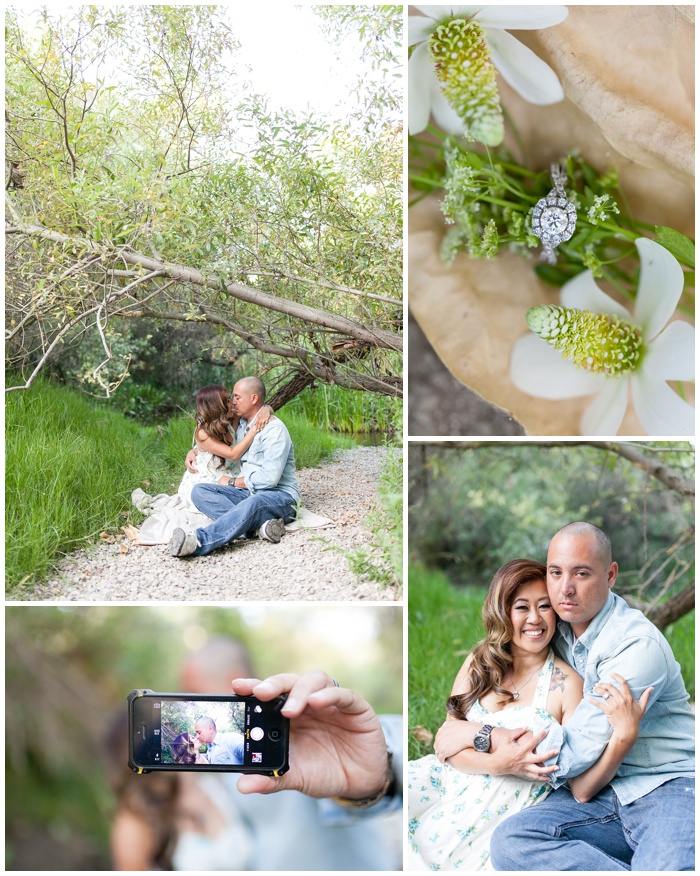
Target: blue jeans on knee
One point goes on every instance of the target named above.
(655, 832)
(236, 512)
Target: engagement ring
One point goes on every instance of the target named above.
(554, 217)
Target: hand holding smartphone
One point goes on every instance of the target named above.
(207, 733)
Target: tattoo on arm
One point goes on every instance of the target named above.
(557, 679)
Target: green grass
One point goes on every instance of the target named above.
(444, 623)
(681, 637)
(386, 522)
(71, 465)
(312, 444)
(345, 410)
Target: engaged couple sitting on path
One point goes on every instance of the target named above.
(261, 499)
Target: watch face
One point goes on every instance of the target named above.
(481, 743)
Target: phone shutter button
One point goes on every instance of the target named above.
(257, 733)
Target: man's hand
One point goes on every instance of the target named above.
(514, 754)
(189, 460)
(238, 482)
(336, 747)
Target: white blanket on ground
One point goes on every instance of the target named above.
(168, 513)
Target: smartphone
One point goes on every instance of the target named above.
(205, 733)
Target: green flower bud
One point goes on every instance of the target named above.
(468, 78)
(598, 342)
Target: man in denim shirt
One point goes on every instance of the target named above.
(643, 819)
(263, 498)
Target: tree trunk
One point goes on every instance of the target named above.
(674, 608)
(286, 393)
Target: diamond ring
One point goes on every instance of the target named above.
(554, 217)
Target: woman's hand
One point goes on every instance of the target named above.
(263, 417)
(336, 744)
(623, 712)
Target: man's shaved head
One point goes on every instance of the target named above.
(582, 527)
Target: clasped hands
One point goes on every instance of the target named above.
(337, 746)
(512, 752)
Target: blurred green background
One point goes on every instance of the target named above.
(69, 670)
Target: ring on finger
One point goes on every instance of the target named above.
(335, 683)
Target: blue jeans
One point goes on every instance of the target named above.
(656, 832)
(237, 512)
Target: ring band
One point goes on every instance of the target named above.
(606, 696)
(335, 683)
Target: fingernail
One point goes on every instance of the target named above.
(264, 687)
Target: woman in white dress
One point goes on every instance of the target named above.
(511, 679)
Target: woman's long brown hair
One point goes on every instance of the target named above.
(491, 657)
(212, 413)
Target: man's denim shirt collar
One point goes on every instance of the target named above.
(588, 638)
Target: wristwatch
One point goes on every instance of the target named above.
(232, 482)
(482, 740)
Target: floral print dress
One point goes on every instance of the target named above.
(452, 814)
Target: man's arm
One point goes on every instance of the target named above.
(274, 443)
(641, 662)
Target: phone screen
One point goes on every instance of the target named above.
(193, 732)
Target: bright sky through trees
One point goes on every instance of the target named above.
(288, 58)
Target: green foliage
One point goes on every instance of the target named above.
(164, 151)
(472, 510)
(72, 464)
(345, 410)
(488, 204)
(311, 444)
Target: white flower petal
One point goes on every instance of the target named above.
(419, 29)
(437, 13)
(541, 371)
(522, 69)
(521, 17)
(660, 287)
(604, 415)
(420, 77)
(583, 293)
(444, 115)
(671, 355)
(660, 410)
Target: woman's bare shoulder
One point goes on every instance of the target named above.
(566, 680)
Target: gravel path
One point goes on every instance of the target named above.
(300, 567)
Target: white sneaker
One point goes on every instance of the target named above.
(182, 543)
(272, 530)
